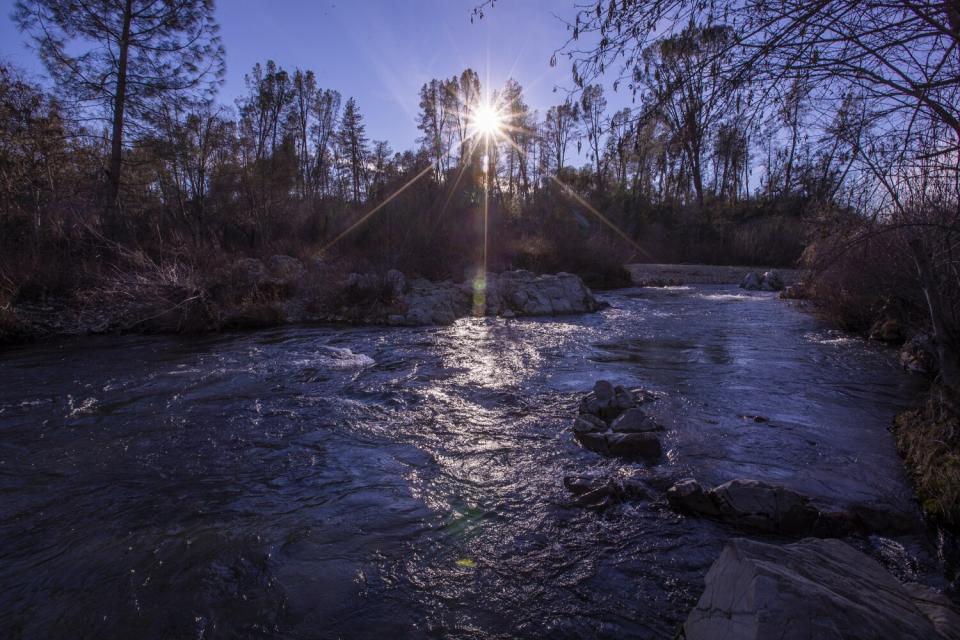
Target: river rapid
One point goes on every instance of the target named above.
(330, 482)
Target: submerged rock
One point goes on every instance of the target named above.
(771, 508)
(592, 491)
(748, 503)
(813, 589)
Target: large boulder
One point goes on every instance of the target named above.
(529, 294)
(810, 590)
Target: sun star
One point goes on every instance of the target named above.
(486, 120)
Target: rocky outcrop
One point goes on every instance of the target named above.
(769, 281)
(508, 294)
(610, 422)
(813, 589)
(760, 506)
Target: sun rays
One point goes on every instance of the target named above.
(490, 124)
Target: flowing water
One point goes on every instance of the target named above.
(318, 482)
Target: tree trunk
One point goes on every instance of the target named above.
(116, 143)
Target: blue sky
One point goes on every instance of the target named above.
(380, 51)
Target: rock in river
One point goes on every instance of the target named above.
(609, 422)
(810, 590)
(748, 503)
(771, 508)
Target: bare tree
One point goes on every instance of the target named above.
(560, 129)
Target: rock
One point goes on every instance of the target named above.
(918, 355)
(645, 445)
(624, 399)
(635, 421)
(586, 423)
(250, 272)
(765, 507)
(772, 281)
(285, 268)
(774, 509)
(595, 492)
(687, 495)
(748, 503)
(937, 608)
(769, 281)
(887, 330)
(526, 293)
(794, 292)
(396, 282)
(606, 401)
(604, 390)
(813, 589)
(751, 282)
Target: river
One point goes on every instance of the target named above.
(326, 482)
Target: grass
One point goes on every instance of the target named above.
(929, 441)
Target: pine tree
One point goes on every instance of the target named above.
(133, 55)
(352, 140)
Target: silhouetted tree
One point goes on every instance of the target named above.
(126, 56)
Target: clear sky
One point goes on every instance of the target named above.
(380, 51)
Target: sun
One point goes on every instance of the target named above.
(486, 120)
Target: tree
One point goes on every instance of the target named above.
(467, 97)
(686, 86)
(326, 115)
(434, 120)
(263, 112)
(352, 140)
(304, 93)
(560, 128)
(135, 55)
(592, 109)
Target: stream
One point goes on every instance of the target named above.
(330, 482)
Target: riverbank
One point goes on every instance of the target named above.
(256, 294)
(654, 275)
